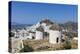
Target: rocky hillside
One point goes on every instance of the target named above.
(71, 26)
(47, 21)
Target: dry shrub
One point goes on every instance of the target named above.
(74, 44)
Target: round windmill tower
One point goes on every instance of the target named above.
(39, 33)
(54, 34)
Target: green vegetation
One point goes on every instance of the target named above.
(26, 49)
(67, 44)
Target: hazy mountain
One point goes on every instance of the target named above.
(15, 25)
(70, 25)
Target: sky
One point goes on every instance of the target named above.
(31, 13)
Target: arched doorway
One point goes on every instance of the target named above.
(57, 39)
(33, 37)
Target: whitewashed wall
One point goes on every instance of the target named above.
(53, 34)
(30, 35)
(39, 35)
